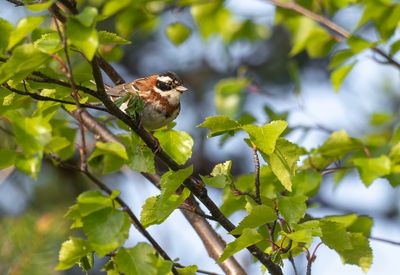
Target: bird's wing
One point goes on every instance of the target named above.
(137, 86)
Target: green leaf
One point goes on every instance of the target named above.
(306, 183)
(381, 118)
(283, 161)
(24, 59)
(141, 158)
(292, 208)
(32, 134)
(301, 236)
(229, 96)
(155, 210)
(107, 229)
(305, 27)
(83, 37)
(29, 164)
(111, 38)
(178, 33)
(265, 137)
(334, 235)
(372, 168)
(221, 175)
(214, 18)
(141, 259)
(395, 47)
(362, 224)
(216, 182)
(340, 57)
(71, 252)
(49, 43)
(114, 148)
(171, 180)
(338, 145)
(158, 208)
(92, 201)
(260, 215)
(219, 125)
(113, 6)
(360, 254)
(358, 44)
(319, 43)
(176, 144)
(188, 270)
(5, 30)
(248, 237)
(25, 26)
(87, 16)
(111, 154)
(39, 6)
(338, 75)
(7, 158)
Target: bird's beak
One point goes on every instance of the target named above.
(181, 89)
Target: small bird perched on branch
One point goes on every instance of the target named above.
(155, 98)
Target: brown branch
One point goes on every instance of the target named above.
(46, 98)
(311, 258)
(17, 3)
(75, 95)
(384, 240)
(257, 174)
(343, 33)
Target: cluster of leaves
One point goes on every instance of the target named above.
(275, 196)
(106, 227)
(318, 41)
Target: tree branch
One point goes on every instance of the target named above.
(257, 174)
(46, 98)
(343, 33)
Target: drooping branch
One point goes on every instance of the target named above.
(329, 24)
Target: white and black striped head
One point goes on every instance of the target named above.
(168, 82)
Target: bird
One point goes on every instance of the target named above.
(160, 96)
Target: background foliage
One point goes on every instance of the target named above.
(251, 70)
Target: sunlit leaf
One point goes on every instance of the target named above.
(265, 137)
(71, 252)
(178, 33)
(176, 144)
(219, 125)
(106, 229)
(372, 168)
(247, 238)
(260, 215)
(25, 26)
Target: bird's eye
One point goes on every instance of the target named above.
(163, 86)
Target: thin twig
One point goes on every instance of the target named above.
(189, 208)
(291, 260)
(343, 33)
(311, 258)
(384, 240)
(75, 95)
(17, 3)
(46, 98)
(257, 174)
